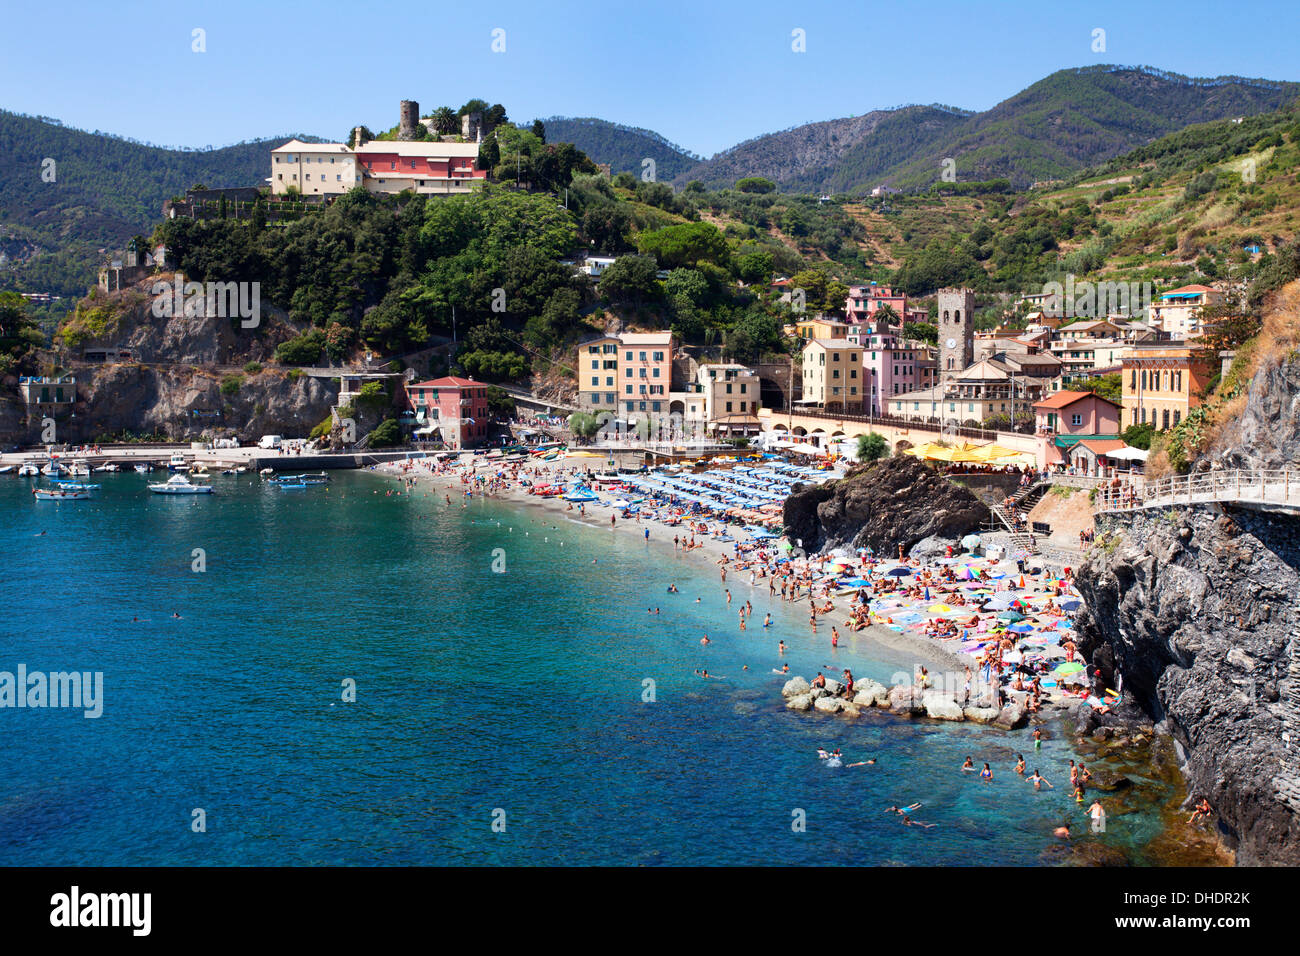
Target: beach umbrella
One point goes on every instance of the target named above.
(970, 541)
(1071, 605)
(1021, 628)
(857, 582)
(1011, 617)
(899, 572)
(786, 546)
(939, 609)
(1063, 670)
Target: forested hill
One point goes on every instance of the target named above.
(1063, 123)
(623, 147)
(104, 190)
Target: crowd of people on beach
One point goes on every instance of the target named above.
(795, 579)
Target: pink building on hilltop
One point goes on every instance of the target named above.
(865, 301)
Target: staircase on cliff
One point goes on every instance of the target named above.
(1004, 515)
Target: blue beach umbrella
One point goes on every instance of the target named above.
(899, 572)
(1021, 628)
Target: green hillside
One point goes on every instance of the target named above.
(104, 190)
(622, 147)
(1063, 123)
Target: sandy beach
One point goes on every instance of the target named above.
(938, 655)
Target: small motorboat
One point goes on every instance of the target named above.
(79, 469)
(28, 470)
(241, 470)
(291, 485)
(52, 468)
(72, 484)
(6, 469)
(59, 494)
(176, 462)
(144, 469)
(111, 466)
(267, 472)
(180, 485)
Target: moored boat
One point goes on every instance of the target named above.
(180, 485)
(59, 494)
(28, 470)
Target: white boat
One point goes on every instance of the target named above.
(267, 472)
(79, 469)
(176, 462)
(28, 470)
(52, 468)
(111, 466)
(59, 494)
(72, 484)
(144, 469)
(180, 485)
(6, 469)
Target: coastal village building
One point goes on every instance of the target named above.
(47, 390)
(832, 375)
(820, 327)
(1087, 358)
(1162, 382)
(426, 166)
(727, 400)
(1177, 313)
(1067, 418)
(452, 410)
(631, 376)
(598, 388)
(894, 366)
(645, 365)
(864, 301)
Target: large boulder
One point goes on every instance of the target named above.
(903, 701)
(870, 693)
(834, 687)
(981, 715)
(795, 687)
(801, 702)
(941, 706)
(818, 692)
(882, 505)
(1012, 716)
(828, 705)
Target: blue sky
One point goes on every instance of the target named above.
(706, 74)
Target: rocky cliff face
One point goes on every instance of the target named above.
(1196, 610)
(183, 403)
(174, 388)
(880, 506)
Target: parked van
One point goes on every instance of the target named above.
(270, 441)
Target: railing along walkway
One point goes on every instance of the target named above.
(1277, 488)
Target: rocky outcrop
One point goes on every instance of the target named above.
(1195, 609)
(183, 403)
(880, 506)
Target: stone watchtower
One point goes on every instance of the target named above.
(407, 120)
(956, 321)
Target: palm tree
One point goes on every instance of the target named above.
(887, 315)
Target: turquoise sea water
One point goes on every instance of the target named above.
(480, 696)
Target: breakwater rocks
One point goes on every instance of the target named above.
(882, 505)
(901, 700)
(1196, 609)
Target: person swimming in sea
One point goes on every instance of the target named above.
(863, 763)
(915, 806)
(986, 773)
(1020, 764)
(1037, 779)
(909, 822)
(969, 765)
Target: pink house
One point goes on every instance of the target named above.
(452, 410)
(1067, 418)
(865, 301)
(892, 366)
